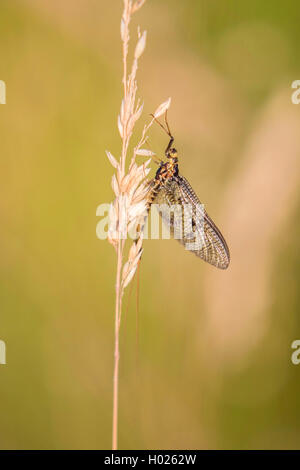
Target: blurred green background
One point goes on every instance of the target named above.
(213, 367)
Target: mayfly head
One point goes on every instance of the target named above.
(171, 154)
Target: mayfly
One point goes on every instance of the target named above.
(191, 225)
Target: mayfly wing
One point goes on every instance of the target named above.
(189, 222)
(168, 199)
(212, 247)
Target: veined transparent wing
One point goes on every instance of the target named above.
(189, 223)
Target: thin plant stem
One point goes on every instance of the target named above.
(117, 347)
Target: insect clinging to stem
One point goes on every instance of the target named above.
(190, 223)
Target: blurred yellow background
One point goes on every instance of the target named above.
(213, 368)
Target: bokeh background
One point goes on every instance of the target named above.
(213, 366)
